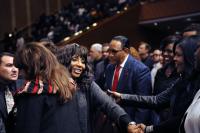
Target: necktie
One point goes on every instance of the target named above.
(116, 78)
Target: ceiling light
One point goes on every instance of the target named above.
(177, 33)
(188, 19)
(66, 38)
(155, 24)
(125, 8)
(80, 32)
(94, 24)
(88, 28)
(10, 35)
(76, 34)
(118, 12)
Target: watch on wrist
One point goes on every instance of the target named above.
(132, 123)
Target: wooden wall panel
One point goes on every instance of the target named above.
(25, 12)
(37, 8)
(65, 2)
(21, 14)
(5, 15)
(53, 6)
(168, 8)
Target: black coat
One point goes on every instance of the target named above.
(3, 111)
(3, 107)
(178, 97)
(45, 113)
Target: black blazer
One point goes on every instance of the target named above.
(3, 108)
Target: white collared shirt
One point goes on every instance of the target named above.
(154, 71)
(121, 67)
(192, 121)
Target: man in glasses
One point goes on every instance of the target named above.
(127, 75)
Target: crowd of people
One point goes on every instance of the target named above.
(111, 87)
(74, 17)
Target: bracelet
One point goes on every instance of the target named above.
(149, 129)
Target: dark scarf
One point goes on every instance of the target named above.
(35, 87)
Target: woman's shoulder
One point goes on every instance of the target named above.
(36, 87)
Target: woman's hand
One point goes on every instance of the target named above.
(115, 95)
(141, 126)
(134, 129)
(72, 84)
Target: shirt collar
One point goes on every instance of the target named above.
(123, 63)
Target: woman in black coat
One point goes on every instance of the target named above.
(46, 83)
(89, 97)
(190, 121)
(178, 97)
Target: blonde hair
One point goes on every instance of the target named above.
(134, 53)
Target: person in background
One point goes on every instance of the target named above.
(144, 52)
(95, 56)
(8, 75)
(192, 29)
(156, 66)
(167, 74)
(88, 97)
(105, 48)
(101, 67)
(134, 53)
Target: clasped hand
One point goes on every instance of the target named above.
(139, 128)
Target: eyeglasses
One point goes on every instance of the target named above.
(113, 51)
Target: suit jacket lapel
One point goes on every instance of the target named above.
(123, 80)
(110, 76)
(3, 109)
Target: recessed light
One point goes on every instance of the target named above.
(155, 24)
(10, 35)
(189, 19)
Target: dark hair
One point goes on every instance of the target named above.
(65, 55)
(172, 39)
(193, 27)
(147, 46)
(6, 54)
(124, 41)
(189, 45)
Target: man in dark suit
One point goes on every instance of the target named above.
(8, 74)
(128, 75)
(144, 52)
(101, 67)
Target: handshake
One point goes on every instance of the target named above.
(139, 128)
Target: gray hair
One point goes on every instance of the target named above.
(97, 47)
